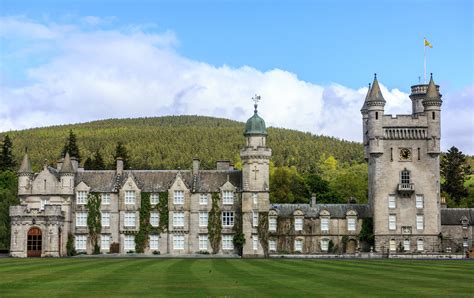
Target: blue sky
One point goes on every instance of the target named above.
(325, 52)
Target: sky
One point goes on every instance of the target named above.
(311, 61)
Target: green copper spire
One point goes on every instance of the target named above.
(255, 125)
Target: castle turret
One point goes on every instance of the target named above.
(25, 176)
(432, 105)
(67, 173)
(255, 177)
(375, 110)
(365, 116)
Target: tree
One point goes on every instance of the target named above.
(121, 151)
(71, 147)
(6, 156)
(8, 197)
(287, 186)
(94, 220)
(454, 170)
(96, 162)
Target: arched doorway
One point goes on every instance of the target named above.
(351, 246)
(34, 243)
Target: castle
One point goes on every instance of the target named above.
(405, 205)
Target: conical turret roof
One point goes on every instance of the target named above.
(67, 167)
(375, 95)
(25, 167)
(364, 106)
(432, 93)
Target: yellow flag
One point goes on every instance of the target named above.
(428, 44)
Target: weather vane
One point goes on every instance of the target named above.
(256, 99)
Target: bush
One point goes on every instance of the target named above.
(114, 248)
(70, 249)
(155, 252)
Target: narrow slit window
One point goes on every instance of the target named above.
(377, 115)
(433, 115)
(419, 157)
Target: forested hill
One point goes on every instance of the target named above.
(171, 142)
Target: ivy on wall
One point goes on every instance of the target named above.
(94, 220)
(70, 250)
(162, 208)
(239, 237)
(214, 225)
(141, 239)
(263, 231)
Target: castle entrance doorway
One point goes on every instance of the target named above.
(351, 246)
(34, 243)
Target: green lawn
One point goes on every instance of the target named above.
(234, 277)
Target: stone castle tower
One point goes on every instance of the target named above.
(403, 159)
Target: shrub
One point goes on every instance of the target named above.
(70, 250)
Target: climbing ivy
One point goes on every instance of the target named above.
(70, 250)
(214, 225)
(239, 237)
(263, 231)
(141, 239)
(93, 220)
(162, 208)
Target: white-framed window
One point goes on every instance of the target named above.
(105, 219)
(255, 242)
(154, 242)
(298, 223)
(227, 242)
(203, 242)
(178, 241)
(255, 200)
(419, 222)
(419, 201)
(406, 245)
(178, 219)
(228, 198)
(272, 246)
(154, 219)
(351, 224)
(420, 245)
(178, 197)
(81, 197)
(129, 219)
(129, 242)
(105, 198)
(43, 203)
(392, 222)
(465, 242)
(298, 245)
(81, 219)
(324, 244)
(325, 224)
(203, 199)
(105, 242)
(203, 219)
(228, 219)
(154, 199)
(255, 218)
(393, 245)
(130, 197)
(392, 202)
(405, 177)
(81, 242)
(272, 224)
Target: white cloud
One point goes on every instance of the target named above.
(97, 74)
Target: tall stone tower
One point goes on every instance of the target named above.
(255, 180)
(402, 152)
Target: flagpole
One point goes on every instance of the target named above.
(424, 48)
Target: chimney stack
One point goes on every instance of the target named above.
(313, 200)
(119, 170)
(196, 165)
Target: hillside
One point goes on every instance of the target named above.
(172, 141)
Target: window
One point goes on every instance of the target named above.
(154, 242)
(433, 115)
(298, 245)
(420, 245)
(44, 202)
(392, 203)
(255, 219)
(154, 219)
(406, 245)
(178, 198)
(255, 200)
(203, 199)
(203, 218)
(272, 224)
(325, 224)
(298, 224)
(203, 242)
(130, 197)
(129, 242)
(178, 241)
(419, 201)
(324, 244)
(351, 224)
(81, 242)
(393, 245)
(104, 242)
(105, 219)
(81, 219)
(129, 219)
(255, 242)
(228, 198)
(81, 197)
(154, 199)
(392, 222)
(272, 245)
(405, 177)
(178, 219)
(227, 242)
(105, 199)
(376, 115)
(419, 222)
(228, 219)
(465, 242)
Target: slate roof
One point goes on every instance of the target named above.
(452, 216)
(25, 167)
(336, 210)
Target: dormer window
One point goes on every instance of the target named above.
(130, 197)
(298, 224)
(81, 198)
(228, 198)
(178, 198)
(325, 224)
(154, 199)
